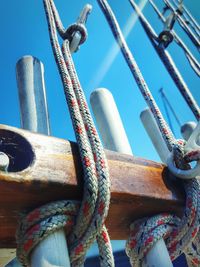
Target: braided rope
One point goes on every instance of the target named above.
(168, 63)
(183, 25)
(191, 59)
(188, 20)
(188, 14)
(181, 235)
(96, 196)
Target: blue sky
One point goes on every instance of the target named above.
(24, 32)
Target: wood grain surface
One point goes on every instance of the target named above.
(46, 168)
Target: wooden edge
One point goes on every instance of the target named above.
(50, 169)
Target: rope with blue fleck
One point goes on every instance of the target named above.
(181, 235)
(89, 223)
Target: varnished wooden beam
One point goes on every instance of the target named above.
(44, 169)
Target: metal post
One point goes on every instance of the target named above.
(32, 95)
(109, 121)
(52, 251)
(74, 45)
(158, 255)
(187, 129)
(114, 138)
(153, 132)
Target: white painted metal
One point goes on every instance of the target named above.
(187, 129)
(153, 132)
(109, 122)
(32, 96)
(74, 45)
(158, 256)
(114, 138)
(4, 161)
(193, 143)
(52, 251)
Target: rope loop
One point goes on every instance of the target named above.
(42, 221)
(180, 235)
(73, 29)
(179, 161)
(165, 38)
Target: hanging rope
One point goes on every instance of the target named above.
(185, 231)
(89, 223)
(183, 25)
(168, 62)
(191, 59)
(189, 20)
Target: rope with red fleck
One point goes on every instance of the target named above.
(181, 235)
(89, 223)
(168, 62)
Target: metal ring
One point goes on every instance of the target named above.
(184, 174)
(76, 27)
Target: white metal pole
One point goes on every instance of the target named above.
(32, 95)
(4, 161)
(109, 122)
(114, 138)
(187, 129)
(52, 251)
(153, 132)
(158, 255)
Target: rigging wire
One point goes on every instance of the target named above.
(167, 61)
(190, 57)
(189, 19)
(183, 25)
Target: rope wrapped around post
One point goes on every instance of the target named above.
(181, 235)
(89, 223)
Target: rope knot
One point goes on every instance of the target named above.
(179, 155)
(180, 235)
(165, 37)
(73, 29)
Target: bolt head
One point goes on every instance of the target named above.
(4, 161)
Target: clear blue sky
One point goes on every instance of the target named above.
(24, 32)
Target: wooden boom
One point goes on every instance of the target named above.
(44, 169)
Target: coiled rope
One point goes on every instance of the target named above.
(168, 62)
(89, 223)
(181, 235)
(191, 59)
